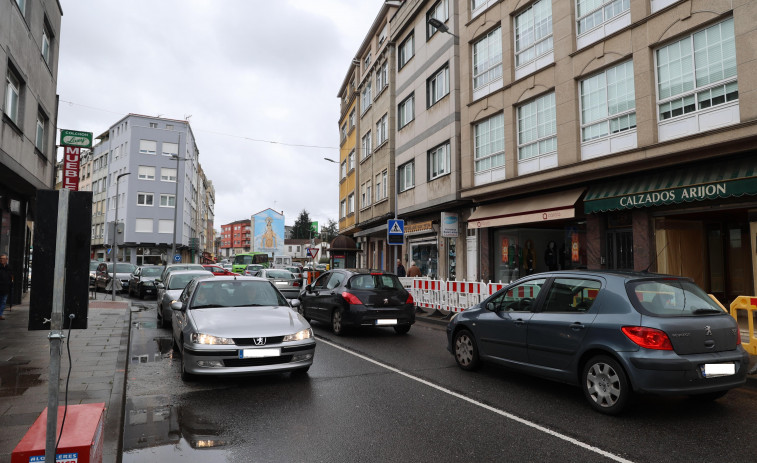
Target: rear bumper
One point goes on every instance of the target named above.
(373, 317)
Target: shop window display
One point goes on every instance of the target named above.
(426, 257)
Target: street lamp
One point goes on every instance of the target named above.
(115, 241)
(440, 26)
(331, 160)
(175, 203)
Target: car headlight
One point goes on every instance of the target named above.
(300, 335)
(200, 338)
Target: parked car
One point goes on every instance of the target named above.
(93, 264)
(104, 275)
(170, 290)
(239, 325)
(296, 271)
(357, 298)
(172, 267)
(217, 270)
(610, 333)
(284, 281)
(142, 281)
(253, 269)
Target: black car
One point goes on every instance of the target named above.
(346, 298)
(142, 281)
(611, 333)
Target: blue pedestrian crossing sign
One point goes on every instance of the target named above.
(395, 231)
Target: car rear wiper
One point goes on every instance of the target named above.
(706, 311)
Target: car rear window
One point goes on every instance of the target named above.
(151, 271)
(382, 281)
(279, 274)
(671, 298)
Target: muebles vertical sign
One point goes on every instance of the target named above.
(72, 142)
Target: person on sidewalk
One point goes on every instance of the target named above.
(400, 269)
(413, 271)
(6, 282)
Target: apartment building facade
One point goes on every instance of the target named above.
(348, 174)
(29, 51)
(611, 134)
(236, 237)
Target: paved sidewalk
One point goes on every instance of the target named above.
(98, 354)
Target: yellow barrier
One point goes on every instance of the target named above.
(748, 304)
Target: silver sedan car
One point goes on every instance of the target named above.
(284, 280)
(169, 291)
(239, 325)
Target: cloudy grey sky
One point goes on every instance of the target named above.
(258, 77)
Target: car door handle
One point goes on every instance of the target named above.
(520, 321)
(577, 326)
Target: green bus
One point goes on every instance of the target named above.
(241, 261)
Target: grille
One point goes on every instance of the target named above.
(251, 341)
(257, 362)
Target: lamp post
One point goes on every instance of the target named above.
(176, 203)
(115, 240)
(440, 26)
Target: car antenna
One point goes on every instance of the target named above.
(646, 270)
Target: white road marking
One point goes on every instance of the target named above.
(505, 414)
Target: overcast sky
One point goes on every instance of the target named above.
(257, 77)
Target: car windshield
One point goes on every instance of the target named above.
(236, 293)
(124, 268)
(378, 281)
(151, 271)
(93, 265)
(285, 274)
(671, 298)
(179, 281)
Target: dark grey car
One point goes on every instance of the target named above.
(611, 333)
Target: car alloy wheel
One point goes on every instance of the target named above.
(605, 385)
(336, 322)
(466, 352)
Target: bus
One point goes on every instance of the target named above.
(241, 261)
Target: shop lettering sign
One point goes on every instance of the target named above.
(71, 158)
(418, 227)
(693, 193)
(449, 224)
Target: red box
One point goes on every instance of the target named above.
(82, 440)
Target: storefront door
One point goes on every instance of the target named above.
(730, 265)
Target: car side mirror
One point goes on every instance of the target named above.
(309, 288)
(294, 303)
(490, 307)
(176, 305)
(159, 285)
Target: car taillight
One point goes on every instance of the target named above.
(648, 338)
(295, 283)
(409, 299)
(351, 298)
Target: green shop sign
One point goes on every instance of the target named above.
(76, 138)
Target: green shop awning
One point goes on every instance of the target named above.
(716, 179)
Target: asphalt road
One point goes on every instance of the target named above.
(377, 396)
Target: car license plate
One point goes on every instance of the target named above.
(387, 321)
(710, 370)
(259, 353)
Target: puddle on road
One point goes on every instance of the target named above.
(16, 378)
(155, 431)
(152, 350)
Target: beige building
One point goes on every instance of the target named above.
(611, 134)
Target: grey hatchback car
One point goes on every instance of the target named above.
(611, 333)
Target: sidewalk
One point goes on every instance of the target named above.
(98, 354)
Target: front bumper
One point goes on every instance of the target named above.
(224, 360)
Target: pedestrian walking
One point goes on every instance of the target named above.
(6, 282)
(400, 269)
(413, 271)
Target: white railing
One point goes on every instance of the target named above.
(448, 296)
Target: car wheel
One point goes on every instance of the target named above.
(401, 329)
(185, 375)
(336, 322)
(708, 397)
(605, 385)
(466, 351)
(160, 324)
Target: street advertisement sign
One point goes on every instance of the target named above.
(76, 138)
(449, 225)
(71, 158)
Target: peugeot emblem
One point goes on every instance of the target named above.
(707, 330)
(386, 301)
(259, 341)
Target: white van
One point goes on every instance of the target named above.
(282, 261)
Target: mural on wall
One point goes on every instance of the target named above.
(268, 232)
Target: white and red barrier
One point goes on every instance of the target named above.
(448, 296)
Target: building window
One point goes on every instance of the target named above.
(144, 199)
(537, 127)
(382, 77)
(146, 173)
(169, 126)
(167, 200)
(407, 176)
(343, 132)
(351, 203)
(47, 42)
(438, 86)
(489, 143)
(406, 111)
(593, 13)
(153, 125)
(381, 130)
(170, 149)
(343, 208)
(697, 72)
(439, 11)
(533, 32)
(487, 59)
(366, 145)
(148, 146)
(165, 226)
(366, 98)
(352, 119)
(21, 6)
(344, 169)
(351, 161)
(365, 200)
(367, 60)
(40, 138)
(167, 174)
(406, 50)
(13, 87)
(143, 225)
(608, 102)
(439, 161)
